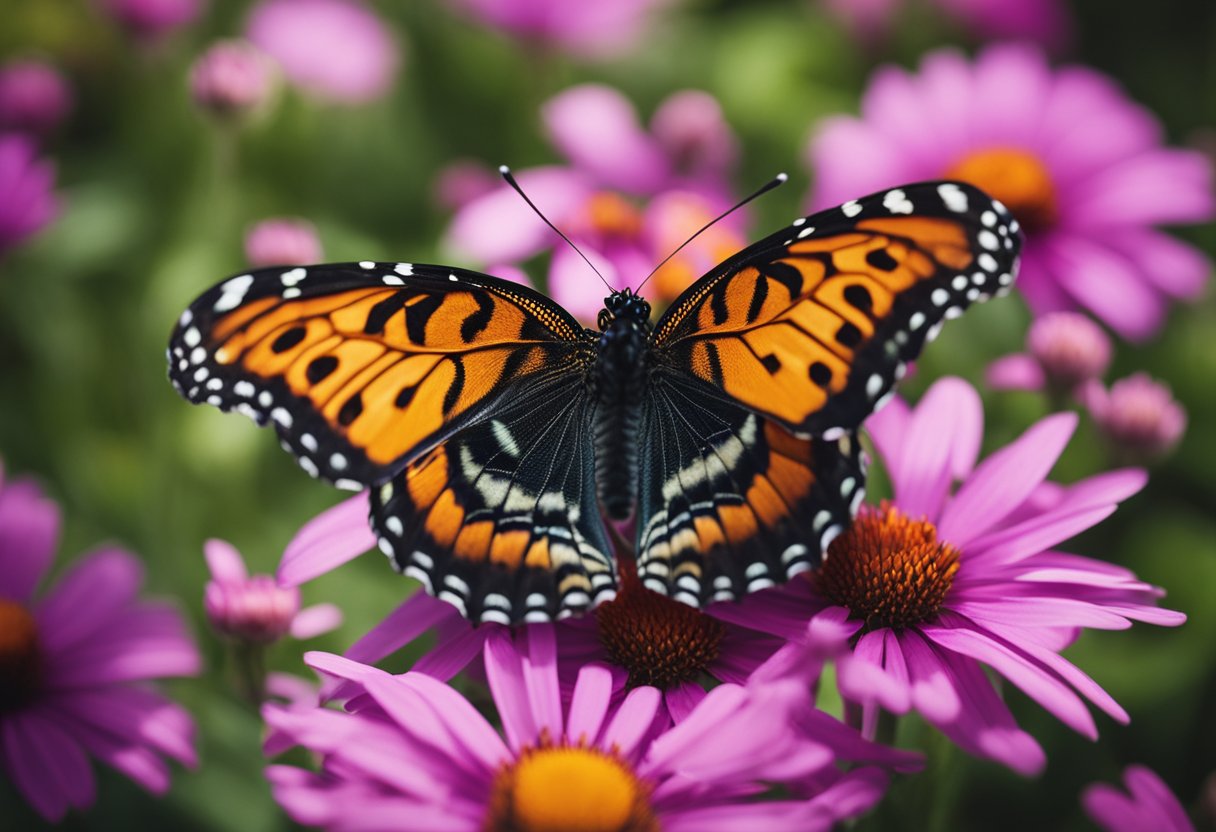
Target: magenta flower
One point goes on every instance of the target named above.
(256, 609)
(1149, 805)
(152, 19)
(628, 199)
(75, 663)
(34, 97)
(591, 28)
(338, 50)
(942, 582)
(1081, 167)
(27, 203)
(231, 79)
(282, 241)
(1137, 416)
(413, 747)
(1045, 21)
(1064, 350)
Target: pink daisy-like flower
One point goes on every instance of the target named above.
(942, 582)
(282, 241)
(75, 663)
(34, 97)
(1064, 350)
(1137, 416)
(411, 747)
(231, 79)
(27, 203)
(628, 199)
(1081, 167)
(590, 28)
(1045, 21)
(1148, 806)
(339, 50)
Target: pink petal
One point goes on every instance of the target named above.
(850, 158)
(315, 620)
(632, 722)
(942, 438)
(894, 104)
(682, 700)
(866, 676)
(417, 614)
(1015, 372)
(1149, 790)
(29, 533)
(539, 665)
(505, 673)
(589, 704)
(132, 716)
(1032, 536)
(932, 692)
(329, 540)
(46, 764)
(888, 429)
(452, 654)
(1101, 279)
(1158, 186)
(93, 592)
(1005, 479)
(224, 561)
(1170, 265)
(1011, 82)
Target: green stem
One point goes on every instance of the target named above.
(250, 662)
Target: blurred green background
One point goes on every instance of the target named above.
(156, 202)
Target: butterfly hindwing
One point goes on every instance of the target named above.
(501, 520)
(814, 325)
(363, 366)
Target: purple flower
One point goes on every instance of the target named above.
(75, 662)
(942, 582)
(339, 50)
(1081, 167)
(629, 198)
(282, 242)
(231, 79)
(152, 19)
(26, 201)
(256, 609)
(410, 746)
(1064, 350)
(591, 28)
(34, 97)
(1138, 417)
(1045, 21)
(1149, 805)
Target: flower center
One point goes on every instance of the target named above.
(20, 656)
(660, 642)
(612, 215)
(888, 570)
(569, 789)
(1017, 178)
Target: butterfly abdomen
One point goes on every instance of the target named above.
(620, 377)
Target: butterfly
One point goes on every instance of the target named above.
(496, 433)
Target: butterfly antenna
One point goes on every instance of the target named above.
(510, 178)
(779, 179)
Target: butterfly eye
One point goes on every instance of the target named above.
(604, 319)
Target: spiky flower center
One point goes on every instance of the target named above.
(888, 570)
(20, 656)
(660, 642)
(1017, 178)
(569, 789)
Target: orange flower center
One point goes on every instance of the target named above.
(1017, 178)
(888, 570)
(612, 215)
(20, 656)
(568, 789)
(660, 642)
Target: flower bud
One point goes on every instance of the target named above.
(34, 97)
(231, 79)
(282, 242)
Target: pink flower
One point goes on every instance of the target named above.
(1045, 21)
(339, 50)
(282, 241)
(1081, 167)
(231, 79)
(75, 663)
(152, 19)
(590, 28)
(34, 97)
(256, 609)
(1138, 417)
(410, 746)
(1064, 350)
(629, 198)
(1149, 805)
(942, 582)
(27, 203)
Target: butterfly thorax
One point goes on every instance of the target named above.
(622, 368)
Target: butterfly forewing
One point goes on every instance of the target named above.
(361, 367)
(814, 325)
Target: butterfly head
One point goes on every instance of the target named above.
(623, 304)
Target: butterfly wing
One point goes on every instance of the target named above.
(363, 367)
(502, 520)
(729, 501)
(813, 326)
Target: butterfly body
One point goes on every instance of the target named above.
(495, 432)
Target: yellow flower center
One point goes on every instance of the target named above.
(1017, 178)
(569, 789)
(888, 570)
(612, 215)
(20, 656)
(660, 642)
